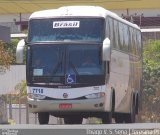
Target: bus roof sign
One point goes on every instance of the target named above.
(66, 24)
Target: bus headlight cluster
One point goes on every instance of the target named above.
(95, 95)
(36, 96)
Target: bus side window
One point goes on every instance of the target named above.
(139, 43)
(135, 43)
(132, 41)
(116, 35)
(111, 31)
(107, 28)
(126, 38)
(121, 37)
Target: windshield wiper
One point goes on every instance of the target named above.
(59, 63)
(56, 68)
(74, 68)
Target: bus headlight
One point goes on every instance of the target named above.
(36, 96)
(95, 95)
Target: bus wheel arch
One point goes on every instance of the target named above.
(107, 116)
(113, 100)
(135, 100)
(130, 117)
(137, 103)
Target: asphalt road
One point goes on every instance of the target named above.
(96, 129)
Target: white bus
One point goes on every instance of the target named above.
(82, 61)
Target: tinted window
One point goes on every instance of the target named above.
(116, 35)
(111, 30)
(83, 29)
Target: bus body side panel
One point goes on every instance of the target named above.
(119, 80)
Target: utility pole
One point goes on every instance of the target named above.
(27, 114)
(19, 106)
(20, 20)
(10, 106)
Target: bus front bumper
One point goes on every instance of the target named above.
(87, 105)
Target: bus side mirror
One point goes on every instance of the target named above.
(19, 51)
(106, 50)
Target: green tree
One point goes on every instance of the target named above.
(21, 88)
(6, 58)
(12, 49)
(21, 92)
(151, 92)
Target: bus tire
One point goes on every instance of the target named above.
(131, 117)
(119, 118)
(43, 118)
(73, 120)
(107, 118)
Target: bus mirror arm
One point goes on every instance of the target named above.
(106, 50)
(19, 51)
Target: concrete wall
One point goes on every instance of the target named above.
(10, 20)
(8, 81)
(20, 115)
(5, 34)
(11, 78)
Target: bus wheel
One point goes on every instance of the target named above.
(73, 120)
(131, 117)
(119, 118)
(43, 117)
(107, 118)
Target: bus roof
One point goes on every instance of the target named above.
(72, 11)
(151, 30)
(92, 11)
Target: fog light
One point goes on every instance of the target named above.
(101, 104)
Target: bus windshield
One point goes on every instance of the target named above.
(57, 61)
(61, 29)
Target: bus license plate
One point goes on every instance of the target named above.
(65, 106)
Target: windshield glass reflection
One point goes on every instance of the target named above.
(61, 29)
